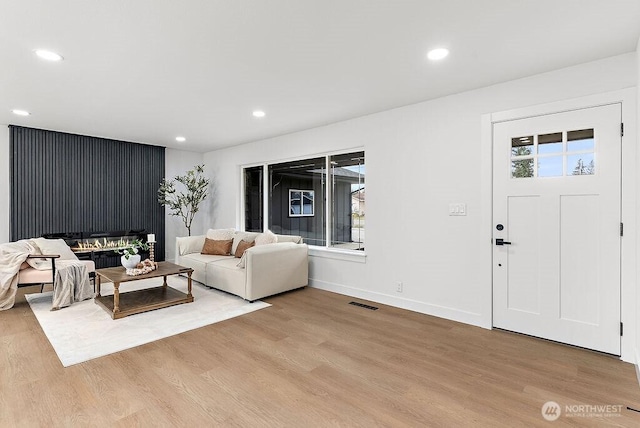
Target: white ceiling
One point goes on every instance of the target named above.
(149, 70)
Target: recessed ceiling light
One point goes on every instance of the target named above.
(20, 112)
(48, 55)
(258, 113)
(181, 139)
(437, 54)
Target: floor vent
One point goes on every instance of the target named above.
(362, 305)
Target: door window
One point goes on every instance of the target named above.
(556, 154)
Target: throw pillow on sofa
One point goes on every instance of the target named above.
(267, 237)
(189, 244)
(242, 247)
(55, 246)
(50, 247)
(217, 247)
(242, 236)
(220, 234)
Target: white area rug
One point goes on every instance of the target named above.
(84, 330)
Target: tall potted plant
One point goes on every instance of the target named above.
(184, 203)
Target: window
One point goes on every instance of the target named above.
(308, 174)
(580, 149)
(321, 199)
(347, 208)
(253, 206)
(300, 203)
(553, 155)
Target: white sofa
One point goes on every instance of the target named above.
(268, 269)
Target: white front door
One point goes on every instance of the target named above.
(556, 208)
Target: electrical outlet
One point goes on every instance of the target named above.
(399, 287)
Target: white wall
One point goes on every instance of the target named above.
(177, 162)
(419, 159)
(5, 189)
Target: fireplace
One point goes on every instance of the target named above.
(100, 247)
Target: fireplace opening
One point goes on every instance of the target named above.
(100, 247)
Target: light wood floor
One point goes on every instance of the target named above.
(310, 360)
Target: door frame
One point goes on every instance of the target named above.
(629, 267)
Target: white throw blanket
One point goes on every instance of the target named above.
(12, 255)
(71, 284)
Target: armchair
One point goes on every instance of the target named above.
(30, 276)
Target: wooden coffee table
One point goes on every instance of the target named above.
(133, 302)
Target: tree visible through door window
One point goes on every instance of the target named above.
(522, 157)
(581, 148)
(553, 155)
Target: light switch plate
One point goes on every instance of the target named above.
(458, 209)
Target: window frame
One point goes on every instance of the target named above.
(342, 253)
(302, 204)
(564, 154)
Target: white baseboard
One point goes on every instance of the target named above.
(411, 305)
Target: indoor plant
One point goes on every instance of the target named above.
(185, 203)
(130, 257)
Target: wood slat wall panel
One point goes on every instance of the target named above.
(72, 183)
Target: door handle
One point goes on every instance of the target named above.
(500, 241)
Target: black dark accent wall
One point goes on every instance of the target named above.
(73, 183)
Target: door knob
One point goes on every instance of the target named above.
(500, 241)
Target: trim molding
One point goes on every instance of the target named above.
(411, 305)
(630, 159)
(336, 254)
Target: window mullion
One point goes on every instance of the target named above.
(266, 197)
(565, 167)
(243, 207)
(535, 155)
(328, 194)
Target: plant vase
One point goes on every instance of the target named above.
(131, 262)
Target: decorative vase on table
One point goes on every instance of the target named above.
(131, 262)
